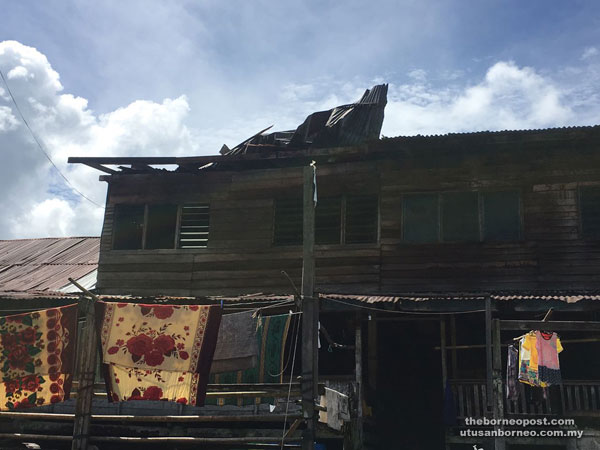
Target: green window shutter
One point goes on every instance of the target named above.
(328, 221)
(501, 216)
(420, 218)
(362, 219)
(160, 232)
(287, 227)
(128, 227)
(460, 217)
(589, 198)
(194, 225)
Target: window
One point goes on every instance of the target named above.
(155, 226)
(328, 221)
(589, 204)
(501, 216)
(129, 227)
(287, 228)
(361, 219)
(162, 220)
(461, 217)
(420, 218)
(194, 226)
(338, 220)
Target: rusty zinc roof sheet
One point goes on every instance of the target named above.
(46, 264)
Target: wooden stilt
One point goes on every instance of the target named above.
(310, 315)
(83, 409)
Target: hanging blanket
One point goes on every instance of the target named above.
(38, 357)
(237, 348)
(157, 352)
(271, 337)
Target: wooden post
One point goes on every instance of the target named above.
(87, 370)
(372, 350)
(499, 442)
(310, 314)
(443, 354)
(454, 372)
(488, 353)
(358, 427)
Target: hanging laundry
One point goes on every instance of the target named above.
(512, 373)
(237, 348)
(38, 357)
(271, 338)
(528, 360)
(548, 347)
(157, 352)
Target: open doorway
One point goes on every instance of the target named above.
(409, 396)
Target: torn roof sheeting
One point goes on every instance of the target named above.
(342, 126)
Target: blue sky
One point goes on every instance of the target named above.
(129, 78)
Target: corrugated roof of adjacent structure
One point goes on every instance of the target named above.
(46, 264)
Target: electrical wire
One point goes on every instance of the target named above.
(42, 148)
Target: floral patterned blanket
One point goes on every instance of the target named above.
(157, 352)
(38, 357)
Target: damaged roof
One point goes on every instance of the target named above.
(342, 126)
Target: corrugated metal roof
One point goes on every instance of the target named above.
(46, 264)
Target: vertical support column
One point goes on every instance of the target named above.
(372, 350)
(87, 370)
(454, 371)
(310, 314)
(443, 354)
(499, 442)
(358, 360)
(488, 353)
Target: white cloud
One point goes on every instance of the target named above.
(509, 97)
(589, 52)
(35, 199)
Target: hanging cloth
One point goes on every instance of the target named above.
(548, 347)
(512, 373)
(157, 352)
(237, 348)
(37, 357)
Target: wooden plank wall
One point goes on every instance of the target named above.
(240, 257)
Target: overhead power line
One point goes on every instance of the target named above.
(37, 141)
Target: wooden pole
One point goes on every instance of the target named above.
(87, 371)
(499, 442)
(310, 313)
(372, 350)
(85, 393)
(488, 352)
(443, 354)
(358, 427)
(453, 347)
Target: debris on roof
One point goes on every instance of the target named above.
(342, 126)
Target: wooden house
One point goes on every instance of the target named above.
(431, 253)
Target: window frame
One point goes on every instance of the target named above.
(177, 232)
(343, 222)
(480, 215)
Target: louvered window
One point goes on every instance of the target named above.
(194, 225)
(338, 220)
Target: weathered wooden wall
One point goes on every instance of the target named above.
(240, 257)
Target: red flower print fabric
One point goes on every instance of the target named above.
(37, 358)
(157, 352)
